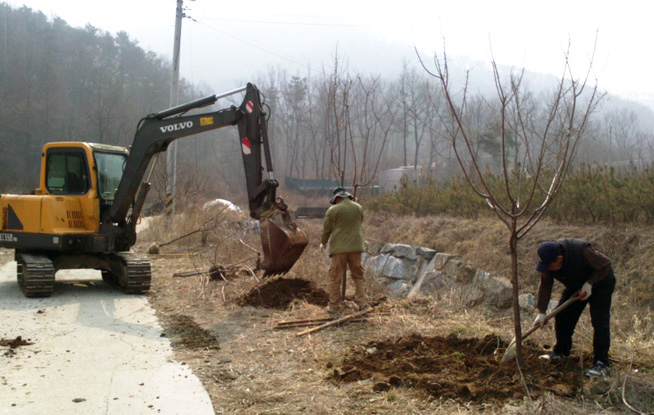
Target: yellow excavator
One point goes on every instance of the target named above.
(85, 210)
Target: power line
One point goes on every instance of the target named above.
(284, 23)
(258, 45)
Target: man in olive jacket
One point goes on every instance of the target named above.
(584, 272)
(342, 229)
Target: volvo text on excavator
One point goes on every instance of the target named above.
(85, 210)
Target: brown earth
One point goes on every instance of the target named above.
(453, 367)
(281, 292)
(423, 356)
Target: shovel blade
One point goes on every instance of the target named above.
(511, 352)
(283, 243)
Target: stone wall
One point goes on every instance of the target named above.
(408, 271)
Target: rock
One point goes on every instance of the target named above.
(471, 296)
(428, 284)
(373, 247)
(221, 204)
(527, 302)
(398, 288)
(440, 259)
(387, 249)
(459, 271)
(426, 253)
(153, 249)
(498, 290)
(409, 271)
(375, 264)
(397, 269)
(433, 281)
(405, 251)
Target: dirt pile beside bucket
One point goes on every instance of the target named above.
(281, 292)
(465, 370)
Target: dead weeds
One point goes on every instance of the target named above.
(421, 356)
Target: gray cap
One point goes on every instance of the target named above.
(340, 192)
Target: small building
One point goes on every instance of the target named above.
(392, 179)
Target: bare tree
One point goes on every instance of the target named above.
(623, 135)
(358, 124)
(375, 124)
(337, 120)
(546, 134)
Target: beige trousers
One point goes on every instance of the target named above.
(337, 271)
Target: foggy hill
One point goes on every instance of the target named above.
(62, 83)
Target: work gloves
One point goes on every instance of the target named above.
(540, 320)
(585, 291)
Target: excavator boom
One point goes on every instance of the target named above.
(282, 241)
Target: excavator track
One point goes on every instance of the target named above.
(35, 274)
(130, 272)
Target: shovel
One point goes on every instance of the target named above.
(510, 353)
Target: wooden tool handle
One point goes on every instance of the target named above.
(335, 322)
(554, 312)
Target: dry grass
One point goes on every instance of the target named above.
(275, 372)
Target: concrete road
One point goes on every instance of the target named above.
(95, 351)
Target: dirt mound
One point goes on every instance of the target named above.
(466, 370)
(182, 330)
(281, 292)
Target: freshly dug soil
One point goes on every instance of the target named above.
(465, 370)
(281, 292)
(185, 332)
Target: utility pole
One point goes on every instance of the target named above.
(171, 154)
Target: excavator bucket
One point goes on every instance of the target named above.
(283, 242)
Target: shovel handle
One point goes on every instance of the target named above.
(554, 312)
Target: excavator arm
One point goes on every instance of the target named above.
(282, 241)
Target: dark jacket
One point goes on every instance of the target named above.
(581, 263)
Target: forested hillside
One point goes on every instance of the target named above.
(63, 83)
(60, 83)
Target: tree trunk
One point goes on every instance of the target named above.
(513, 245)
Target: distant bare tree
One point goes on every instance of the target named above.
(376, 120)
(337, 119)
(623, 135)
(415, 103)
(546, 133)
(358, 124)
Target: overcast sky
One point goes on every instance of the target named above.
(256, 35)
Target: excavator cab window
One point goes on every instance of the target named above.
(66, 172)
(110, 167)
(110, 170)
